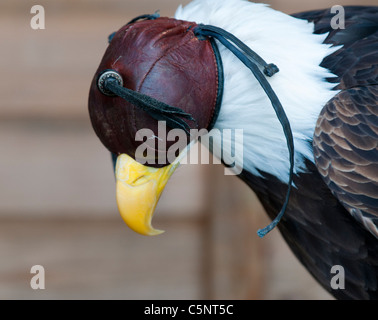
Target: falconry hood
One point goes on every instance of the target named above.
(171, 75)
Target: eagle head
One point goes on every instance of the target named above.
(160, 71)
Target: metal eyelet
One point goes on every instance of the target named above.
(106, 75)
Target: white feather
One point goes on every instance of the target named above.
(300, 85)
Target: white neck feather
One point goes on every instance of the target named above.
(300, 85)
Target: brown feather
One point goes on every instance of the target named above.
(349, 174)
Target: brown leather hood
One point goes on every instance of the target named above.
(163, 59)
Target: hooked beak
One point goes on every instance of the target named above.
(138, 190)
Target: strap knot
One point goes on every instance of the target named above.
(271, 69)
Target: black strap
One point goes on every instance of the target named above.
(220, 89)
(155, 108)
(254, 62)
(146, 17)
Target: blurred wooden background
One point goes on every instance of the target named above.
(57, 197)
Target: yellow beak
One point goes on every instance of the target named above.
(138, 190)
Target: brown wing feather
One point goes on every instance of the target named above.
(346, 138)
(346, 151)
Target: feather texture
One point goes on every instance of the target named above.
(346, 135)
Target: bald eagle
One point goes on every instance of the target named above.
(309, 121)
